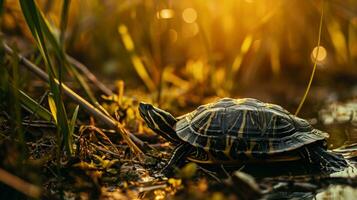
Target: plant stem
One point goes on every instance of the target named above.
(315, 63)
(127, 136)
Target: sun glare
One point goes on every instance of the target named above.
(320, 55)
(189, 15)
(165, 14)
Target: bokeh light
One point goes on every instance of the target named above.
(190, 30)
(189, 15)
(165, 14)
(320, 55)
(176, 55)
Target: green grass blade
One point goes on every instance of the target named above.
(95, 112)
(29, 12)
(40, 33)
(72, 124)
(52, 105)
(64, 19)
(36, 108)
(58, 49)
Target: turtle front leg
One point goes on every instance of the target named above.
(177, 158)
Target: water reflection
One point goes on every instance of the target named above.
(340, 191)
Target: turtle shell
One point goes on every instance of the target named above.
(230, 128)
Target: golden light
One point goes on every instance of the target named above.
(175, 182)
(159, 194)
(228, 23)
(189, 15)
(247, 42)
(196, 69)
(128, 42)
(190, 30)
(165, 14)
(135, 59)
(320, 55)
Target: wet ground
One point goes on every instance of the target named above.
(340, 120)
(104, 167)
(336, 191)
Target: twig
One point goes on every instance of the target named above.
(93, 128)
(45, 124)
(91, 77)
(150, 188)
(89, 108)
(105, 150)
(38, 124)
(20, 185)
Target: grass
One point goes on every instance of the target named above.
(41, 34)
(315, 63)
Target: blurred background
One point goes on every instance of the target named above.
(175, 54)
(183, 53)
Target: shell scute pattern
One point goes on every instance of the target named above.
(245, 127)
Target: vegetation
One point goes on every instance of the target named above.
(72, 75)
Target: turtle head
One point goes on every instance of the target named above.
(160, 121)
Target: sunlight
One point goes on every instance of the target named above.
(165, 14)
(128, 42)
(190, 30)
(321, 54)
(189, 15)
(168, 99)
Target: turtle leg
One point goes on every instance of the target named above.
(326, 161)
(177, 157)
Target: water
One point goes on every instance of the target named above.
(340, 191)
(339, 119)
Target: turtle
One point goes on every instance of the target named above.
(235, 131)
